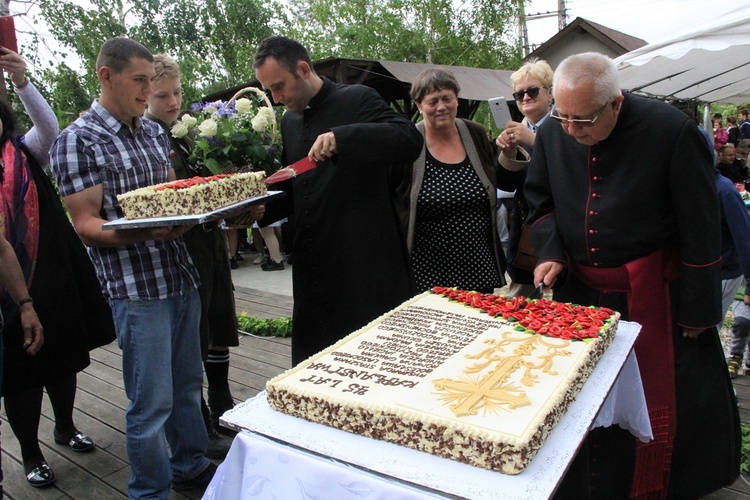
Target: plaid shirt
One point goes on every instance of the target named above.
(100, 149)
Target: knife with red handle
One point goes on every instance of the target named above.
(292, 170)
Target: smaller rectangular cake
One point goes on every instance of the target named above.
(477, 378)
(192, 196)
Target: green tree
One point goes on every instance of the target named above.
(477, 33)
(213, 41)
(66, 94)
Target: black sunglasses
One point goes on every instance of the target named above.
(533, 93)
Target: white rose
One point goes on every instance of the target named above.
(259, 123)
(267, 113)
(189, 120)
(209, 110)
(243, 105)
(179, 130)
(208, 128)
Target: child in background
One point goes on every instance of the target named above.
(740, 333)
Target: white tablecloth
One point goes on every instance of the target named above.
(257, 467)
(304, 459)
(626, 403)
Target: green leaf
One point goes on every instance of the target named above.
(213, 165)
(265, 327)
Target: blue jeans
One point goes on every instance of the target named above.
(163, 375)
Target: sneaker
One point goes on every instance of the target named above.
(238, 257)
(199, 481)
(218, 445)
(258, 260)
(272, 265)
(733, 364)
(244, 245)
(233, 263)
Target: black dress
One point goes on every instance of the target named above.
(67, 298)
(453, 234)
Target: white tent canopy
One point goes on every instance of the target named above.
(711, 64)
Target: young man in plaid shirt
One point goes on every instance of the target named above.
(146, 274)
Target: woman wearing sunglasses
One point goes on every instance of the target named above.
(532, 90)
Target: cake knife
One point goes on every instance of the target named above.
(537, 293)
(292, 170)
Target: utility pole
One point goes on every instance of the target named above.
(562, 22)
(562, 15)
(523, 33)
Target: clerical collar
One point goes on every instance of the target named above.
(325, 89)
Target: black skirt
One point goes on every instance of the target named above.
(67, 298)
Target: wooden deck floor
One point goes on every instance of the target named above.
(101, 404)
(100, 412)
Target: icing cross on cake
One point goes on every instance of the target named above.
(490, 391)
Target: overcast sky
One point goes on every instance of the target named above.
(649, 20)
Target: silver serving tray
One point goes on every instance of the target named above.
(187, 220)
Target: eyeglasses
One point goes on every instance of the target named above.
(532, 91)
(581, 122)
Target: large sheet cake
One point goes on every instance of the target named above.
(476, 378)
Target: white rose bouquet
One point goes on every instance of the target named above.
(242, 133)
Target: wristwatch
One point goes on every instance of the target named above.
(23, 85)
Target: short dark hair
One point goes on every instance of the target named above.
(286, 51)
(742, 111)
(431, 80)
(116, 53)
(691, 114)
(732, 120)
(9, 120)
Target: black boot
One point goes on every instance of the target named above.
(218, 445)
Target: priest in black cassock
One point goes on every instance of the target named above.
(350, 258)
(624, 214)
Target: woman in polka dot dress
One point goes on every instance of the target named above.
(449, 197)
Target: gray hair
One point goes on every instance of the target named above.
(431, 80)
(589, 68)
